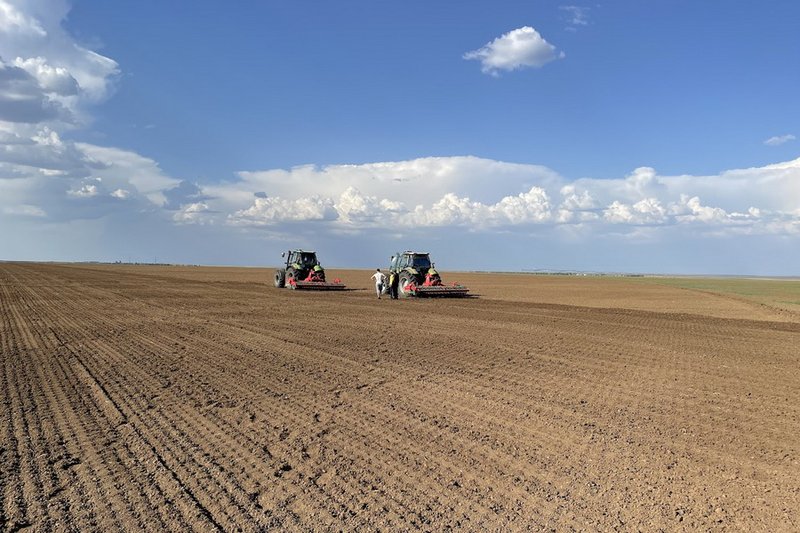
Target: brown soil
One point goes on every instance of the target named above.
(166, 398)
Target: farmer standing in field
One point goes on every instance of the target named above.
(380, 279)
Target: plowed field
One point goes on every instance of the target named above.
(165, 398)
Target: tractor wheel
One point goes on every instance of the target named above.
(405, 280)
(280, 278)
(291, 274)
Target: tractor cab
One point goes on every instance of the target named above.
(418, 261)
(302, 260)
(421, 262)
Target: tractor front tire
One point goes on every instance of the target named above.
(280, 278)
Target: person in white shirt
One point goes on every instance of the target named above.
(380, 279)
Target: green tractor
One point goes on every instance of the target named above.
(419, 277)
(303, 271)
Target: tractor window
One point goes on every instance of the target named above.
(308, 259)
(421, 262)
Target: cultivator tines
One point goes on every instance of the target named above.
(439, 291)
(335, 285)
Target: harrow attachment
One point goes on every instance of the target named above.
(335, 285)
(438, 291)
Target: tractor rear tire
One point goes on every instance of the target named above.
(280, 278)
(405, 279)
(291, 274)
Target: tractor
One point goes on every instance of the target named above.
(303, 271)
(418, 277)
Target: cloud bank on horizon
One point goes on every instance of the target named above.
(483, 195)
(94, 197)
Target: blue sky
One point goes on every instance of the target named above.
(620, 136)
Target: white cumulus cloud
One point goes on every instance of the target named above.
(478, 195)
(86, 191)
(576, 200)
(123, 169)
(356, 208)
(517, 49)
(48, 83)
(692, 210)
(271, 211)
(46, 77)
(647, 211)
(525, 208)
(194, 213)
(55, 80)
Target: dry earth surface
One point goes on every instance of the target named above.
(179, 398)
